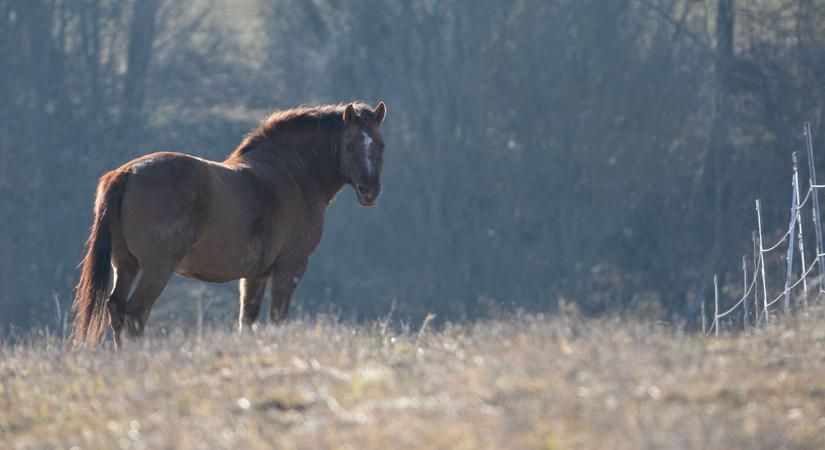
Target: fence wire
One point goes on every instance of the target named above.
(781, 240)
(741, 300)
(807, 197)
(779, 297)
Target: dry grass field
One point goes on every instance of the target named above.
(525, 382)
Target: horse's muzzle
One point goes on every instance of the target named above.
(368, 195)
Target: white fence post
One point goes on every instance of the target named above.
(745, 291)
(789, 257)
(815, 195)
(801, 237)
(762, 263)
(704, 317)
(755, 286)
(716, 304)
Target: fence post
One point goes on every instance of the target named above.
(801, 237)
(815, 193)
(755, 285)
(716, 304)
(745, 291)
(762, 263)
(704, 317)
(789, 258)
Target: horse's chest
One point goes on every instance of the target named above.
(295, 233)
(302, 234)
(308, 237)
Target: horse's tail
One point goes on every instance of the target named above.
(92, 290)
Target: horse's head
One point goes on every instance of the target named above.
(362, 151)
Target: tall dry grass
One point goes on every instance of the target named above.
(525, 382)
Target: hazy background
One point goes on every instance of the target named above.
(603, 152)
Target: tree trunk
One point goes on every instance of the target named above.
(718, 146)
(141, 41)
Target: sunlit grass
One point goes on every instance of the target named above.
(526, 382)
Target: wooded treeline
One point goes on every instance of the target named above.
(597, 151)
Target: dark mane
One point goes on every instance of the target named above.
(323, 117)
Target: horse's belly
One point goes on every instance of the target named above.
(222, 262)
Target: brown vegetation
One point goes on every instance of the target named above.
(528, 382)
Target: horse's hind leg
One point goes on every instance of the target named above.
(126, 269)
(151, 284)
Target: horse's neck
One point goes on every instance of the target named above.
(310, 161)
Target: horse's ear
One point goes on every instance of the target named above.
(380, 112)
(349, 113)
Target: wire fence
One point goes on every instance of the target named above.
(755, 303)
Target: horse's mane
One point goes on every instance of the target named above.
(322, 117)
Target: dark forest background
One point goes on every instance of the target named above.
(602, 152)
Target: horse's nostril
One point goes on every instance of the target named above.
(361, 189)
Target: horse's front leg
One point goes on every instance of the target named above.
(252, 294)
(285, 279)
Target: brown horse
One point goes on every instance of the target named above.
(255, 217)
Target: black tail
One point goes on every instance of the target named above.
(92, 290)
